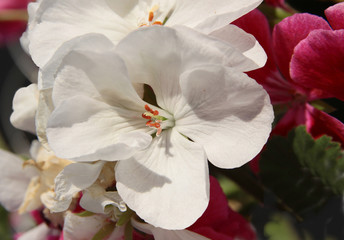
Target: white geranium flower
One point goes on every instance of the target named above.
(31, 109)
(14, 180)
(93, 182)
(25, 104)
(204, 110)
(163, 234)
(84, 228)
(53, 22)
(41, 232)
(33, 178)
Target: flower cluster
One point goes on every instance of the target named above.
(132, 99)
(135, 99)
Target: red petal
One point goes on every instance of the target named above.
(295, 116)
(219, 221)
(335, 16)
(275, 3)
(14, 4)
(289, 32)
(318, 62)
(320, 123)
(279, 3)
(217, 209)
(278, 88)
(11, 31)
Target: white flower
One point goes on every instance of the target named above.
(25, 103)
(93, 182)
(14, 180)
(41, 232)
(53, 22)
(205, 110)
(163, 234)
(31, 109)
(24, 184)
(85, 228)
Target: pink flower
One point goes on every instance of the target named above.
(12, 19)
(305, 63)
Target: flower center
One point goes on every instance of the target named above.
(154, 119)
(151, 17)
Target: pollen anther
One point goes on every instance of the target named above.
(154, 120)
(151, 16)
(157, 23)
(148, 108)
(146, 117)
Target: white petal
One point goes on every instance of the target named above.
(226, 112)
(95, 199)
(25, 104)
(34, 149)
(74, 178)
(44, 110)
(13, 181)
(167, 185)
(207, 16)
(32, 199)
(82, 228)
(163, 234)
(69, 19)
(40, 232)
(95, 42)
(84, 129)
(161, 54)
(137, 12)
(48, 199)
(244, 42)
(90, 67)
(31, 9)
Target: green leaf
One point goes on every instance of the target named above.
(302, 172)
(323, 159)
(5, 229)
(280, 227)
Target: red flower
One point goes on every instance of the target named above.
(318, 60)
(276, 3)
(219, 221)
(305, 63)
(12, 19)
